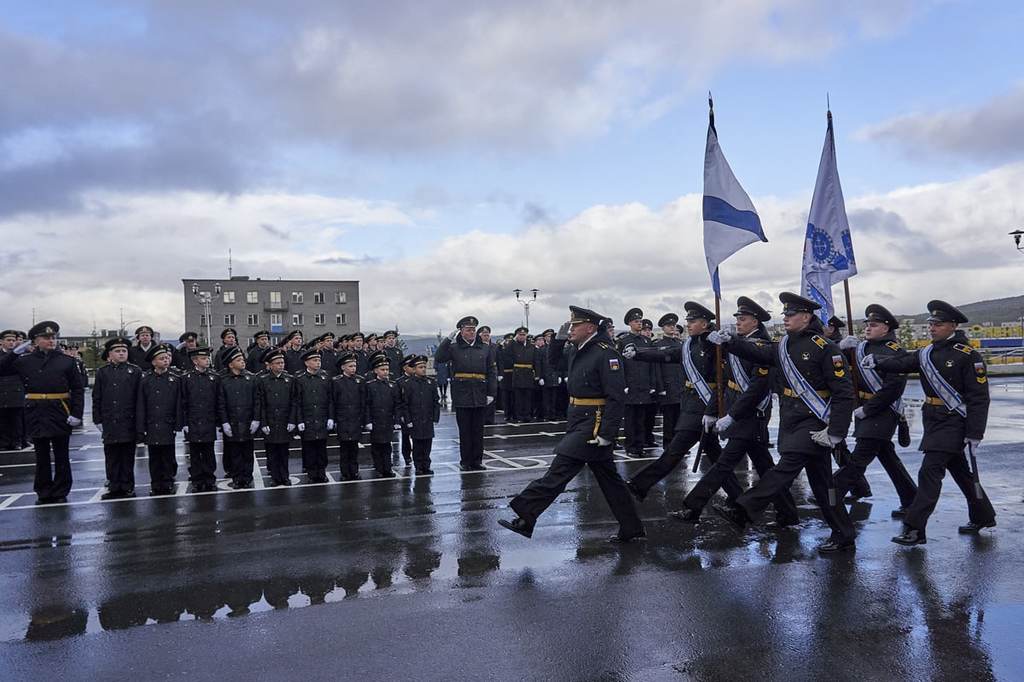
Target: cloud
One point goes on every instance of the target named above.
(989, 132)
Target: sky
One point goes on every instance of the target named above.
(446, 153)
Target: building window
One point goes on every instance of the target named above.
(297, 319)
(229, 297)
(275, 320)
(229, 319)
(252, 319)
(340, 297)
(341, 319)
(318, 319)
(275, 299)
(318, 297)
(296, 297)
(252, 297)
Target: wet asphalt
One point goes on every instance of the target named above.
(413, 579)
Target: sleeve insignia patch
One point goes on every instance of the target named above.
(979, 370)
(981, 379)
(762, 371)
(840, 373)
(613, 364)
(963, 348)
(893, 345)
(818, 341)
(837, 361)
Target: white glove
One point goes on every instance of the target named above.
(719, 337)
(724, 423)
(99, 427)
(330, 424)
(599, 442)
(254, 426)
(824, 440)
(398, 427)
(662, 392)
(226, 428)
(265, 430)
(629, 352)
(563, 331)
(849, 342)
(652, 390)
(500, 378)
(184, 429)
(22, 347)
(451, 337)
(541, 382)
(368, 427)
(490, 399)
(302, 427)
(74, 421)
(974, 443)
(708, 422)
(559, 381)
(859, 413)
(289, 427)
(626, 390)
(868, 362)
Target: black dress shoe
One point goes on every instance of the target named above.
(635, 490)
(44, 500)
(733, 514)
(112, 495)
(786, 522)
(286, 482)
(618, 539)
(518, 525)
(58, 500)
(477, 467)
(899, 513)
(973, 528)
(424, 472)
(910, 537)
(836, 545)
(686, 515)
(465, 467)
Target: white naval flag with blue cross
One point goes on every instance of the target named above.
(730, 220)
(828, 248)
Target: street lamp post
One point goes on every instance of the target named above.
(526, 302)
(206, 300)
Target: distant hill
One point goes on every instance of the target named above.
(996, 311)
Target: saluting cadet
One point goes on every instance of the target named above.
(238, 412)
(200, 392)
(143, 344)
(55, 400)
(473, 385)
(671, 377)
(880, 409)
(114, 394)
(276, 397)
(816, 404)
(641, 383)
(955, 383)
(12, 399)
(293, 352)
(748, 404)
(596, 393)
(158, 417)
(383, 409)
(261, 344)
(228, 340)
(408, 371)
(698, 408)
(393, 353)
(186, 342)
(316, 420)
(348, 399)
(522, 354)
(421, 409)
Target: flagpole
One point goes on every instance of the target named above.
(718, 359)
(846, 282)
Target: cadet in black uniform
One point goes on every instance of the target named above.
(143, 344)
(55, 400)
(362, 362)
(421, 409)
(505, 383)
(12, 399)
(699, 405)
(186, 342)
(443, 373)
(860, 487)
(348, 398)
(816, 405)
(393, 353)
(383, 408)
(547, 378)
(200, 391)
(293, 353)
(328, 357)
(261, 344)
(238, 412)
(671, 377)
(880, 410)
(955, 411)
(473, 385)
(522, 353)
(641, 383)
(158, 417)
(114, 394)
(408, 371)
(278, 408)
(651, 410)
(596, 393)
(316, 418)
(228, 340)
(748, 409)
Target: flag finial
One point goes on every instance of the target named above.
(711, 110)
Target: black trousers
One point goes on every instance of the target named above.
(819, 474)
(349, 463)
(549, 401)
(277, 461)
(929, 485)
(669, 418)
(673, 455)
(633, 427)
(866, 450)
(406, 443)
(650, 416)
(53, 477)
(421, 448)
(859, 486)
(314, 456)
(202, 463)
(471, 434)
(523, 404)
(119, 462)
(381, 453)
(163, 467)
(238, 460)
(12, 431)
(539, 495)
(734, 451)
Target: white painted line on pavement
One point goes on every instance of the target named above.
(11, 500)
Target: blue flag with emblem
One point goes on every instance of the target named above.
(730, 220)
(828, 248)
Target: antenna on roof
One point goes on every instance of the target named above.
(229, 264)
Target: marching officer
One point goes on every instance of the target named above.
(158, 416)
(955, 383)
(473, 385)
(859, 487)
(293, 352)
(383, 409)
(522, 353)
(816, 405)
(261, 344)
(348, 398)
(880, 409)
(278, 408)
(114, 394)
(239, 416)
(12, 399)
(228, 340)
(596, 393)
(200, 392)
(316, 418)
(55, 400)
(186, 342)
(421, 409)
(143, 344)
(671, 377)
(641, 383)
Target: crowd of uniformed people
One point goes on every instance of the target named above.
(709, 385)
